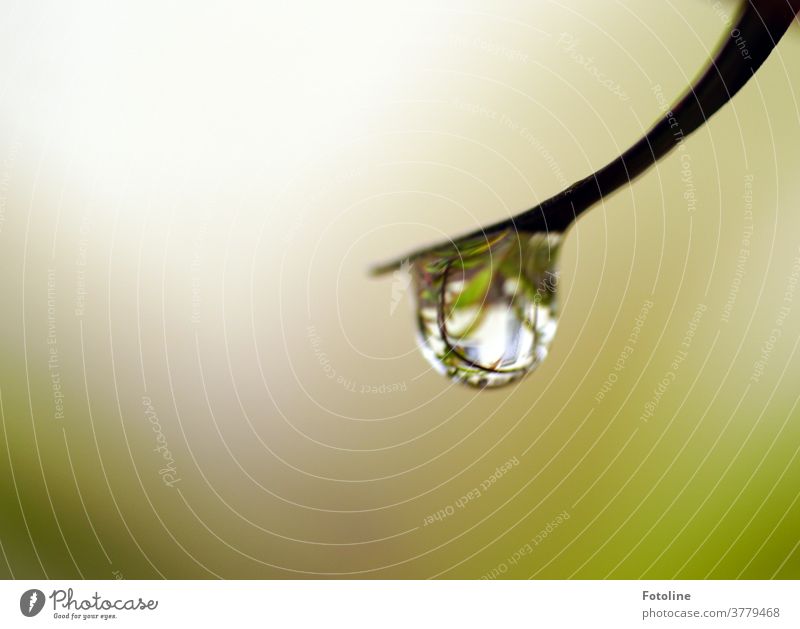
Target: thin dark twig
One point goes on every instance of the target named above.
(760, 25)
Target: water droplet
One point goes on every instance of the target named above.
(486, 307)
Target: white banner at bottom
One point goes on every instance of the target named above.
(618, 604)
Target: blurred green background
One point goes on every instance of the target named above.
(199, 379)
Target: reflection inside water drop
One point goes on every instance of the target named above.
(486, 307)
